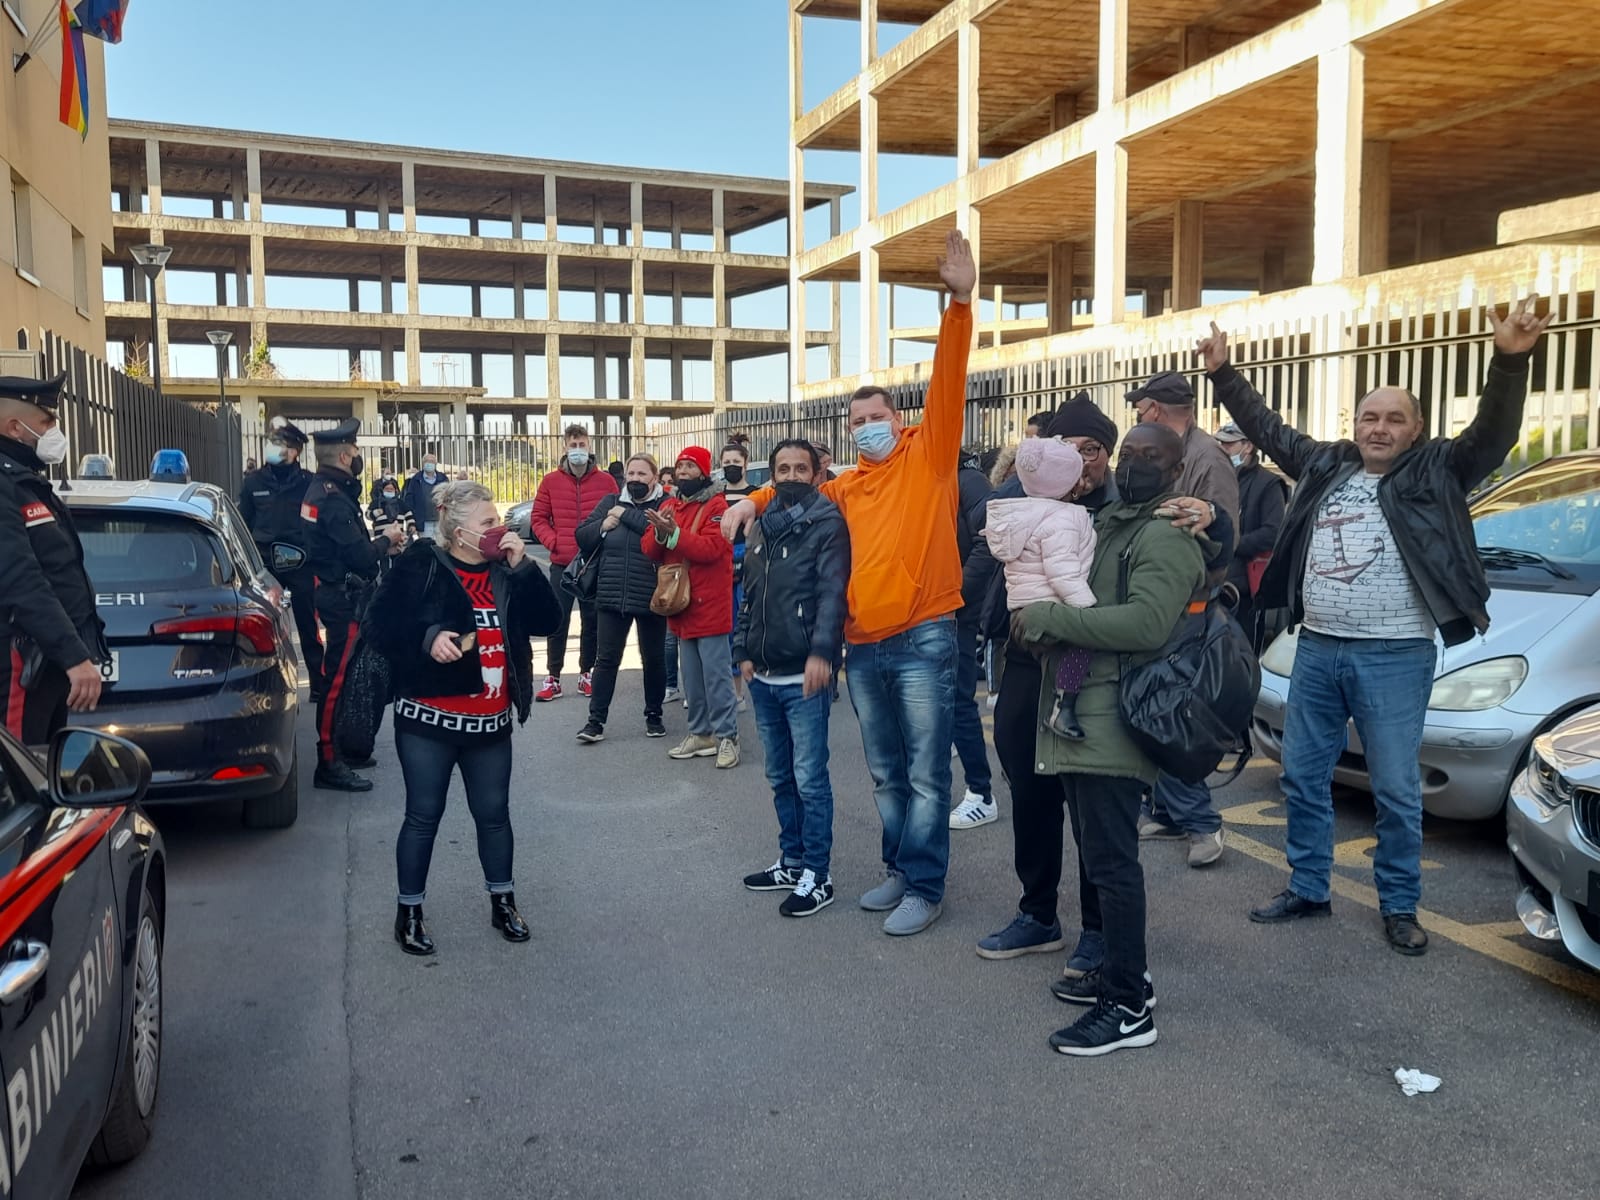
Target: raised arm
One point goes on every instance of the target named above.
(1483, 445)
(1287, 447)
(944, 409)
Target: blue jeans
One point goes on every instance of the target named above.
(967, 724)
(1382, 685)
(427, 765)
(903, 689)
(672, 660)
(1185, 805)
(794, 739)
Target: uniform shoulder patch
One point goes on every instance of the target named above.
(36, 512)
(308, 511)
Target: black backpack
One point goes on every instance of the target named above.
(1189, 706)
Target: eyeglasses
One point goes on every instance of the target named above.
(1091, 450)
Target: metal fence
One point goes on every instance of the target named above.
(107, 412)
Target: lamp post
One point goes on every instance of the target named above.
(220, 339)
(151, 258)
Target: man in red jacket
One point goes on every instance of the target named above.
(565, 497)
(687, 529)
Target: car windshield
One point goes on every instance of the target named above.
(1552, 510)
(132, 551)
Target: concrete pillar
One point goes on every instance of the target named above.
(516, 214)
(1188, 253)
(1110, 231)
(677, 372)
(599, 221)
(1113, 83)
(599, 373)
(552, 376)
(552, 284)
(519, 288)
(408, 194)
(252, 172)
(677, 299)
(797, 216)
(385, 357)
(385, 284)
(1336, 205)
(355, 295)
(519, 367)
(1374, 206)
(636, 384)
(551, 220)
(1194, 46)
(258, 279)
(1058, 290)
(835, 299)
(383, 204)
(241, 278)
(636, 214)
(152, 172)
(413, 282)
(236, 192)
(1429, 237)
(869, 32)
(1063, 110)
(371, 416)
(1272, 270)
(719, 375)
(413, 358)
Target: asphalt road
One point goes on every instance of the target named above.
(666, 1034)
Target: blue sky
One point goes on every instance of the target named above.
(686, 84)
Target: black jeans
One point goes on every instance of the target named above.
(427, 764)
(555, 646)
(613, 637)
(1104, 812)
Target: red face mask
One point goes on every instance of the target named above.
(488, 543)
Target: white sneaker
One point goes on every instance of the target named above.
(672, 694)
(973, 811)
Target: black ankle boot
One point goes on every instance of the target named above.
(503, 915)
(409, 930)
(1064, 717)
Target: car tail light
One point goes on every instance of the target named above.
(253, 629)
(229, 773)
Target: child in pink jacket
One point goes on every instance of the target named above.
(1047, 546)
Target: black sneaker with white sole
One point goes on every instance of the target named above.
(592, 732)
(1104, 1028)
(1086, 989)
(776, 878)
(654, 728)
(810, 895)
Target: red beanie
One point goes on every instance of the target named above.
(698, 455)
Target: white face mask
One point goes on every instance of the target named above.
(273, 455)
(51, 445)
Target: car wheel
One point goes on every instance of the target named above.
(133, 1107)
(278, 810)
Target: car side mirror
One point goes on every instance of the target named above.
(90, 769)
(286, 558)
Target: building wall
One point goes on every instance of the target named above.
(50, 274)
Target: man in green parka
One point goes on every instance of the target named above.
(1104, 776)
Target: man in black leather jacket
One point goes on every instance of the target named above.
(787, 643)
(1376, 553)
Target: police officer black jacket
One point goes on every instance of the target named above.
(45, 593)
(337, 542)
(1423, 496)
(795, 591)
(269, 501)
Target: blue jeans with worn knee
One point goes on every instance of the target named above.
(794, 741)
(1382, 685)
(903, 690)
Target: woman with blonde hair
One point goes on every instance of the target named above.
(454, 618)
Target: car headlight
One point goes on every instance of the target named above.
(1279, 656)
(1552, 785)
(1480, 686)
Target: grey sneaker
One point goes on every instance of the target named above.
(1205, 848)
(727, 753)
(913, 916)
(672, 694)
(696, 745)
(1153, 830)
(887, 894)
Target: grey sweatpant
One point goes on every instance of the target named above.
(706, 672)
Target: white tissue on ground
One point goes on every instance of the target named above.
(1413, 1081)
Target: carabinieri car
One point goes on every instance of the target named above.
(83, 898)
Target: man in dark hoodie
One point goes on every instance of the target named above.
(788, 644)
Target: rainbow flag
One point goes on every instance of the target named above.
(74, 74)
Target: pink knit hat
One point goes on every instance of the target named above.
(1048, 468)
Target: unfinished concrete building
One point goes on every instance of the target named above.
(1340, 183)
(554, 290)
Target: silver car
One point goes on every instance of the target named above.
(1553, 829)
(1539, 539)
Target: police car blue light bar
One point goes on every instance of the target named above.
(169, 466)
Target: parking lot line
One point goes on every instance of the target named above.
(1489, 940)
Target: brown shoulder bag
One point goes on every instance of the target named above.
(671, 596)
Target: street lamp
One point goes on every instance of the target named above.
(220, 339)
(151, 258)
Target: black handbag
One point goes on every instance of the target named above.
(1189, 706)
(580, 578)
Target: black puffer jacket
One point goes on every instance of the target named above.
(1423, 495)
(421, 596)
(794, 592)
(627, 578)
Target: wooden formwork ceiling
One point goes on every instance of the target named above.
(1018, 226)
(899, 12)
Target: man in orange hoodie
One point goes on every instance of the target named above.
(905, 587)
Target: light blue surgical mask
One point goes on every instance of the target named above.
(273, 455)
(429, 470)
(578, 456)
(875, 439)
(1236, 459)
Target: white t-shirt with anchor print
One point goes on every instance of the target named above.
(1357, 585)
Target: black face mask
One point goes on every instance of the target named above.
(638, 490)
(792, 491)
(1139, 480)
(688, 487)
(733, 474)
(357, 465)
